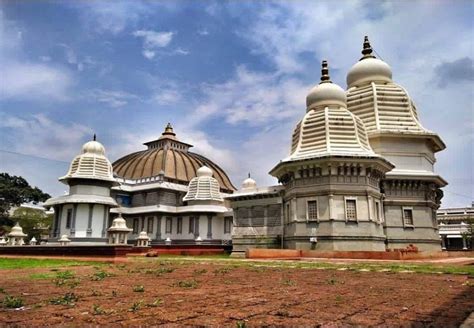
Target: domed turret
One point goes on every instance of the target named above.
(325, 93)
(90, 164)
(249, 184)
(93, 147)
(384, 106)
(203, 187)
(328, 128)
(368, 68)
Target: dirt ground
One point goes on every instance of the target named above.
(208, 294)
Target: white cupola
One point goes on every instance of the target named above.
(90, 164)
(325, 93)
(328, 128)
(368, 68)
(384, 106)
(249, 184)
(203, 187)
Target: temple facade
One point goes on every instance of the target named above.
(359, 176)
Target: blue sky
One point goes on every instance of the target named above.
(230, 76)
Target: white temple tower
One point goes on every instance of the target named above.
(332, 198)
(83, 213)
(412, 188)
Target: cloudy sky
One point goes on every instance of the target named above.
(230, 76)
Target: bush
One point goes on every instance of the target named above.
(138, 289)
(12, 302)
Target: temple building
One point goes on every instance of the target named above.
(359, 176)
(456, 228)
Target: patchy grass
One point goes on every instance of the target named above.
(136, 306)
(186, 284)
(23, 263)
(259, 266)
(68, 299)
(101, 275)
(12, 302)
(138, 289)
(41, 276)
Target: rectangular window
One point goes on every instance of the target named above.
(228, 224)
(150, 224)
(312, 210)
(68, 218)
(135, 225)
(351, 210)
(378, 216)
(169, 225)
(191, 224)
(408, 217)
(179, 228)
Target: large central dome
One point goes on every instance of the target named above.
(171, 157)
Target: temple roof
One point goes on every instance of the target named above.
(171, 157)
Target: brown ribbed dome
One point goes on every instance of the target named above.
(171, 156)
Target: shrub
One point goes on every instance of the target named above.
(187, 284)
(97, 310)
(138, 289)
(12, 302)
(136, 306)
(67, 299)
(100, 275)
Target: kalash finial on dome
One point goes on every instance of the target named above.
(94, 138)
(325, 93)
(324, 73)
(368, 69)
(367, 49)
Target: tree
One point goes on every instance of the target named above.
(14, 191)
(34, 222)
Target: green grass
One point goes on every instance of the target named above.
(252, 265)
(24, 263)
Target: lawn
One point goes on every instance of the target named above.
(218, 291)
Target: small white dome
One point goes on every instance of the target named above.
(368, 68)
(119, 224)
(249, 184)
(325, 93)
(204, 171)
(16, 231)
(93, 147)
(90, 164)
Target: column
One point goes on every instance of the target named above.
(443, 243)
(73, 224)
(89, 221)
(369, 207)
(464, 245)
(158, 227)
(330, 207)
(209, 226)
(142, 218)
(104, 221)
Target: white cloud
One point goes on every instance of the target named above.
(153, 40)
(112, 98)
(148, 54)
(180, 51)
(23, 80)
(203, 32)
(166, 96)
(41, 136)
(253, 98)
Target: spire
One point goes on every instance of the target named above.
(94, 138)
(367, 50)
(168, 130)
(325, 73)
(249, 174)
